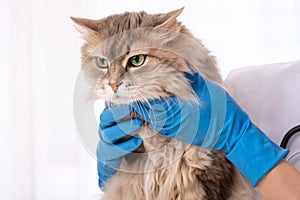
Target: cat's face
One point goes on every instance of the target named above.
(134, 56)
(140, 74)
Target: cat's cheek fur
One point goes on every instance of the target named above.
(127, 89)
(103, 94)
(103, 90)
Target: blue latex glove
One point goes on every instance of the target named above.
(110, 149)
(219, 123)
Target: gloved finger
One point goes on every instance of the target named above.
(107, 151)
(164, 103)
(153, 108)
(142, 109)
(161, 112)
(110, 116)
(120, 130)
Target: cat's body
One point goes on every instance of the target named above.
(137, 57)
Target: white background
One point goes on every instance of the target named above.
(41, 155)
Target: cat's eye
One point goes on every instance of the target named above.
(101, 62)
(137, 60)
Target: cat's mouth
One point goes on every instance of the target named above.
(119, 99)
(127, 92)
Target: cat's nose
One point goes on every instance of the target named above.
(113, 86)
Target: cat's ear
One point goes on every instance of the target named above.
(169, 21)
(86, 27)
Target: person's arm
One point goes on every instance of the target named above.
(282, 182)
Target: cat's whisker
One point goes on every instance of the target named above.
(169, 108)
(153, 117)
(141, 106)
(130, 101)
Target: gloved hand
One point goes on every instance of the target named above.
(111, 147)
(217, 122)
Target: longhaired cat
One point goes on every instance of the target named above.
(137, 56)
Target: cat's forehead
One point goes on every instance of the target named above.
(136, 41)
(116, 24)
(122, 28)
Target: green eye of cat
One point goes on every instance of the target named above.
(102, 62)
(137, 61)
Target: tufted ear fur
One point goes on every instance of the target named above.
(168, 20)
(86, 27)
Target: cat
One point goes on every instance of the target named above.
(137, 56)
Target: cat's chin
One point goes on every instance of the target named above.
(111, 97)
(117, 100)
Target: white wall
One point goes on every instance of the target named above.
(41, 155)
